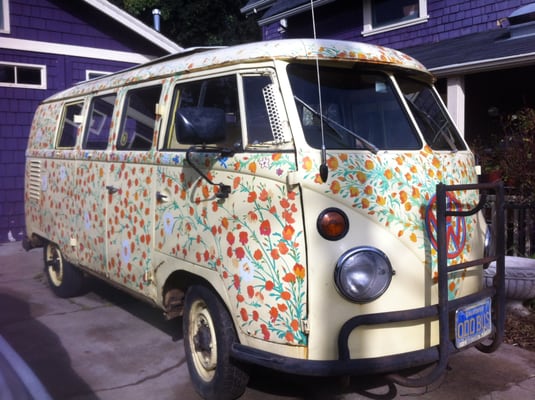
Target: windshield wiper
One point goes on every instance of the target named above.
(335, 126)
(438, 131)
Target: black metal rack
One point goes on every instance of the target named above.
(496, 292)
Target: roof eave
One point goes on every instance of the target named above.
(518, 60)
(135, 25)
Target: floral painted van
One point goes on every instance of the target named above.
(305, 205)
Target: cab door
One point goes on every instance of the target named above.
(252, 237)
(130, 192)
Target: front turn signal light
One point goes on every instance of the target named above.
(332, 224)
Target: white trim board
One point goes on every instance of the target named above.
(135, 25)
(70, 50)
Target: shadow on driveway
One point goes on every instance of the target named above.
(40, 348)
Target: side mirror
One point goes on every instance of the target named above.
(200, 125)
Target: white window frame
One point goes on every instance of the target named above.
(42, 68)
(6, 28)
(369, 30)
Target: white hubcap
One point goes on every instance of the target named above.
(202, 338)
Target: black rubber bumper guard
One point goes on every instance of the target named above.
(437, 355)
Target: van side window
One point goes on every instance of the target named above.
(258, 126)
(139, 119)
(99, 122)
(220, 93)
(68, 129)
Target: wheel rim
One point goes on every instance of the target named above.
(202, 338)
(54, 265)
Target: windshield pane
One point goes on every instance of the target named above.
(433, 121)
(357, 107)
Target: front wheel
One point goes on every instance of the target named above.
(208, 337)
(64, 279)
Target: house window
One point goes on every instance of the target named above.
(23, 75)
(95, 74)
(384, 15)
(4, 16)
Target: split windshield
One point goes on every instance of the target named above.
(431, 117)
(361, 110)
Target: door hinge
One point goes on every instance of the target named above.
(305, 327)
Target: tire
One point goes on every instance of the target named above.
(64, 279)
(208, 337)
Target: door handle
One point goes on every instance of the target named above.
(162, 197)
(112, 189)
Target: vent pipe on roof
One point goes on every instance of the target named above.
(156, 17)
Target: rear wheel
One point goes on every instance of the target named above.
(208, 337)
(64, 279)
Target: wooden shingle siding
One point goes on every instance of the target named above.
(448, 19)
(71, 23)
(52, 23)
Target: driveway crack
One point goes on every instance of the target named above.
(145, 379)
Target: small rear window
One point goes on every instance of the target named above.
(139, 119)
(99, 122)
(68, 130)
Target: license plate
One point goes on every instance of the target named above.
(472, 323)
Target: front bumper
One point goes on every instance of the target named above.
(442, 311)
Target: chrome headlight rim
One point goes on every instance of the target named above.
(381, 276)
(489, 247)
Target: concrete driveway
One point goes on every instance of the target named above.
(106, 345)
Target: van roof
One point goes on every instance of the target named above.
(200, 58)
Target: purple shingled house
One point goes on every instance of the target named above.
(46, 46)
(481, 51)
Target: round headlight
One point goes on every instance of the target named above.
(363, 274)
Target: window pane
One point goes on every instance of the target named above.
(386, 12)
(99, 122)
(28, 75)
(433, 120)
(7, 74)
(1, 15)
(356, 105)
(258, 126)
(137, 128)
(69, 128)
(218, 93)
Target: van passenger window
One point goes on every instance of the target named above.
(258, 126)
(69, 127)
(99, 122)
(220, 93)
(139, 119)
